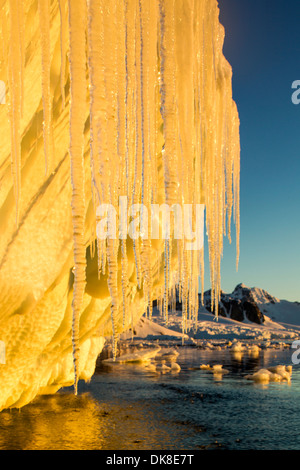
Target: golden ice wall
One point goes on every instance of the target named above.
(104, 98)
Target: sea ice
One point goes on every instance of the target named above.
(272, 374)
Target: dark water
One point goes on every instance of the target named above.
(127, 407)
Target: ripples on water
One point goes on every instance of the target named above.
(127, 407)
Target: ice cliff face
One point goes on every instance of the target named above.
(93, 112)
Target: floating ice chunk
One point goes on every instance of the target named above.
(275, 378)
(216, 368)
(163, 367)
(237, 355)
(150, 366)
(237, 347)
(175, 367)
(263, 375)
(283, 371)
(170, 355)
(272, 374)
(254, 350)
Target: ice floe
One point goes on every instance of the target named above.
(277, 373)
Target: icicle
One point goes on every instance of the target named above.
(63, 52)
(15, 89)
(122, 96)
(168, 92)
(22, 55)
(113, 171)
(168, 110)
(130, 94)
(77, 60)
(44, 15)
(138, 164)
(97, 100)
(166, 276)
(112, 259)
(236, 179)
(4, 34)
(110, 56)
(126, 98)
(185, 99)
(124, 268)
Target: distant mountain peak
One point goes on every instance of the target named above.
(241, 285)
(258, 295)
(244, 303)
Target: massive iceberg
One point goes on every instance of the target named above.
(105, 99)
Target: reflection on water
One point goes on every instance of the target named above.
(129, 406)
(64, 421)
(52, 422)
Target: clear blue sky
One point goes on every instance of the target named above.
(262, 43)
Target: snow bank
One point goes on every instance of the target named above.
(152, 330)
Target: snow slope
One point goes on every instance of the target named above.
(281, 325)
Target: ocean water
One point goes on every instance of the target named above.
(127, 407)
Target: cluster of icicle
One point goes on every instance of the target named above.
(143, 67)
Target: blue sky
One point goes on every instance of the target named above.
(262, 43)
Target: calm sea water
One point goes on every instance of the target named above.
(127, 407)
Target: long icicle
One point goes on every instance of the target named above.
(77, 60)
(15, 89)
(168, 110)
(44, 16)
(111, 41)
(63, 52)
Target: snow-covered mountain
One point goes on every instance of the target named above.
(243, 303)
(252, 304)
(255, 305)
(256, 294)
